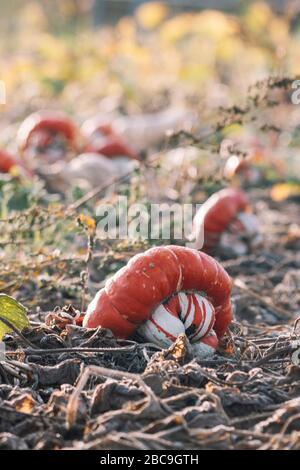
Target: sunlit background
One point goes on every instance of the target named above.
(130, 57)
(83, 50)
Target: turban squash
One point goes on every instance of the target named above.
(39, 128)
(174, 288)
(102, 138)
(228, 209)
(7, 162)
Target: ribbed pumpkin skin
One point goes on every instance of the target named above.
(47, 121)
(7, 161)
(133, 293)
(217, 213)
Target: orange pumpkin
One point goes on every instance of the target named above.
(39, 129)
(7, 161)
(151, 279)
(103, 139)
(216, 215)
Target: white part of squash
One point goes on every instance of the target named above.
(165, 325)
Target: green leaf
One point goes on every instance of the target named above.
(12, 311)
